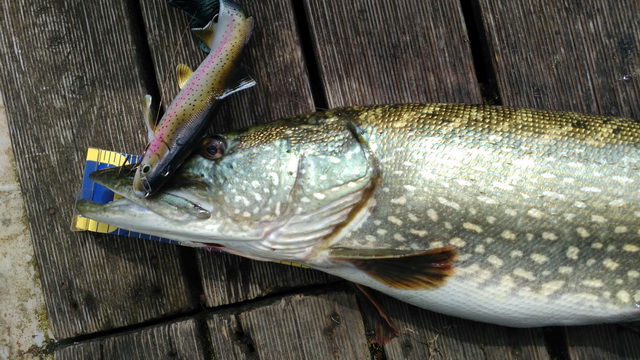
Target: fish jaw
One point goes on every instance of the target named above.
(183, 211)
(131, 215)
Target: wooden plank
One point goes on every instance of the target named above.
(273, 57)
(428, 335)
(69, 74)
(307, 327)
(175, 340)
(569, 55)
(376, 52)
(227, 339)
(603, 342)
(228, 279)
(81, 351)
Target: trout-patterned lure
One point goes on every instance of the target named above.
(180, 129)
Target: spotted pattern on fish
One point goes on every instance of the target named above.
(518, 190)
(531, 217)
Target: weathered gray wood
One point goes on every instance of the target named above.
(273, 57)
(307, 327)
(571, 55)
(227, 339)
(228, 279)
(428, 335)
(80, 351)
(176, 340)
(376, 52)
(603, 342)
(69, 78)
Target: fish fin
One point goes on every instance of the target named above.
(183, 73)
(238, 81)
(206, 33)
(199, 11)
(148, 119)
(386, 329)
(402, 269)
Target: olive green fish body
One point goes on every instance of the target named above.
(544, 207)
(511, 216)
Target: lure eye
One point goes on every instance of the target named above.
(146, 168)
(213, 148)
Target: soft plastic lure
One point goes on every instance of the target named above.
(174, 137)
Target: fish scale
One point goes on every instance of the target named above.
(530, 201)
(517, 217)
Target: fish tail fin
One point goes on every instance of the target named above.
(228, 10)
(200, 12)
(400, 269)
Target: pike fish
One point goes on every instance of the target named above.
(180, 129)
(509, 216)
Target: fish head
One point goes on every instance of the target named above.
(267, 192)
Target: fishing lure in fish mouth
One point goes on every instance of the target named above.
(179, 131)
(516, 217)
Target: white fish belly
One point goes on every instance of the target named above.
(496, 305)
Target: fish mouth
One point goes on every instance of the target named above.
(182, 210)
(179, 202)
(141, 186)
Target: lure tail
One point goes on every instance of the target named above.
(199, 12)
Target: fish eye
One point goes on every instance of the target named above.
(146, 168)
(213, 148)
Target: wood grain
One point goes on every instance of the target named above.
(603, 342)
(175, 340)
(569, 55)
(307, 327)
(377, 52)
(428, 335)
(81, 351)
(273, 57)
(70, 80)
(229, 279)
(227, 339)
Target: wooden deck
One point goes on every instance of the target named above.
(73, 76)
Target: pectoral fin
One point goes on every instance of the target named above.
(183, 73)
(402, 269)
(148, 119)
(207, 33)
(238, 81)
